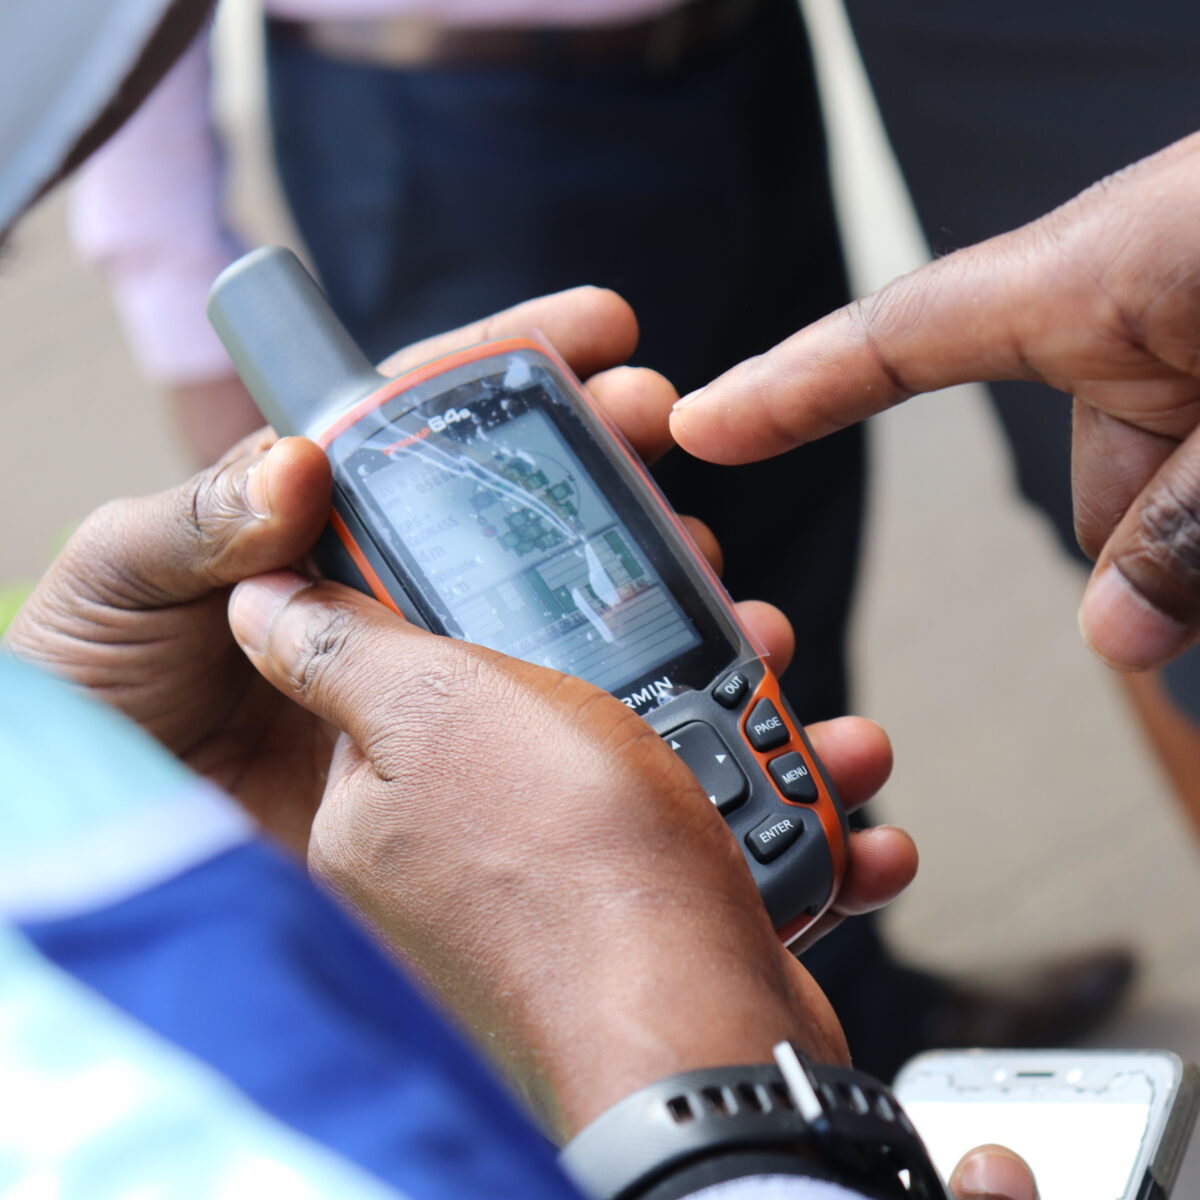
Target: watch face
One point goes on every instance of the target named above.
(512, 527)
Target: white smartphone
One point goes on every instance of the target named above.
(1093, 1124)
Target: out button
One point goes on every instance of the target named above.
(770, 839)
(731, 689)
(765, 727)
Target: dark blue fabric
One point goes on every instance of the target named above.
(246, 965)
(432, 197)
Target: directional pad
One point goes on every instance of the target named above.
(711, 762)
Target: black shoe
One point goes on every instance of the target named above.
(1032, 1008)
(891, 1011)
(1053, 1005)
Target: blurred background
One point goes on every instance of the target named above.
(1043, 822)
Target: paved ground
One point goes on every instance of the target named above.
(1043, 824)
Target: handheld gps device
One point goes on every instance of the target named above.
(482, 496)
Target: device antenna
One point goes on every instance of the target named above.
(293, 354)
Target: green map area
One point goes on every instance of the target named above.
(526, 529)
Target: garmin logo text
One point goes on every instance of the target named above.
(656, 690)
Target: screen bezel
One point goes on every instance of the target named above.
(637, 505)
(967, 1077)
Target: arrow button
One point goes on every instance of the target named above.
(701, 747)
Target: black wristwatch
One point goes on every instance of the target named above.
(791, 1117)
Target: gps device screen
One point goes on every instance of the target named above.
(492, 511)
(482, 495)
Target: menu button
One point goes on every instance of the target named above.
(792, 775)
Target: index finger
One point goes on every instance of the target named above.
(591, 327)
(959, 319)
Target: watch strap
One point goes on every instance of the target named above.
(835, 1116)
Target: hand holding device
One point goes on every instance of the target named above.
(482, 496)
(551, 869)
(133, 607)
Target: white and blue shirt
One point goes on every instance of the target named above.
(183, 1014)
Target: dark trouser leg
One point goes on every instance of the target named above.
(431, 197)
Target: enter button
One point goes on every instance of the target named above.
(795, 781)
(770, 839)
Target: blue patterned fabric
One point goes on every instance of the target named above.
(214, 1026)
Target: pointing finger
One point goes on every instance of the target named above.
(949, 322)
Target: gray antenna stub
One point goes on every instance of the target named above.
(293, 354)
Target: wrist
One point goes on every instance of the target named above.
(714, 989)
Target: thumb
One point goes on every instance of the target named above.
(353, 662)
(993, 1173)
(959, 319)
(259, 508)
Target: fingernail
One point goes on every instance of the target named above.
(1123, 628)
(254, 603)
(254, 488)
(684, 401)
(994, 1173)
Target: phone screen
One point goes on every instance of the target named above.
(1079, 1142)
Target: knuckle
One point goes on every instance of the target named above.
(210, 508)
(1066, 238)
(103, 530)
(400, 747)
(324, 642)
(99, 523)
(891, 308)
(333, 857)
(326, 861)
(1164, 560)
(356, 860)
